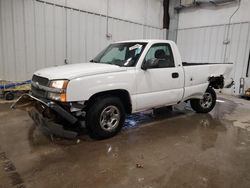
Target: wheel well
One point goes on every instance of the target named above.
(217, 82)
(123, 95)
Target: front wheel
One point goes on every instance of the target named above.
(105, 117)
(206, 104)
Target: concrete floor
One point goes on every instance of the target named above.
(176, 149)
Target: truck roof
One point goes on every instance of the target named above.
(144, 40)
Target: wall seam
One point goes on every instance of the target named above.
(228, 49)
(66, 35)
(215, 25)
(223, 54)
(45, 36)
(54, 36)
(13, 36)
(2, 45)
(86, 36)
(35, 33)
(79, 36)
(209, 44)
(217, 42)
(246, 53)
(25, 38)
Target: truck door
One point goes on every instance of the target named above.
(161, 85)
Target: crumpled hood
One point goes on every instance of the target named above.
(72, 71)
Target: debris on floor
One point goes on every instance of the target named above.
(139, 165)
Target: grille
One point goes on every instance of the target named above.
(38, 92)
(40, 80)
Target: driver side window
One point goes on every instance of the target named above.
(163, 53)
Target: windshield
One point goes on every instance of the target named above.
(121, 54)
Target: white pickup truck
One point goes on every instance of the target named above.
(126, 77)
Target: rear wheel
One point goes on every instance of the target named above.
(206, 104)
(105, 117)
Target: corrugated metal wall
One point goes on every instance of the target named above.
(35, 34)
(206, 44)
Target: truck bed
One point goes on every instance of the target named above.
(197, 75)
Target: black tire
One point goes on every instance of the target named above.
(206, 104)
(9, 96)
(98, 112)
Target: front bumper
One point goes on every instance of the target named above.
(44, 113)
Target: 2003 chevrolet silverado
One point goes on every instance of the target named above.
(125, 78)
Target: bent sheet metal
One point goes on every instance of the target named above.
(44, 115)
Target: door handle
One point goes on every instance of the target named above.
(175, 75)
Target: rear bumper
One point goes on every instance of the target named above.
(44, 113)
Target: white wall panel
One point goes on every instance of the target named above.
(35, 34)
(209, 15)
(49, 23)
(205, 29)
(8, 39)
(59, 35)
(220, 48)
(246, 56)
(40, 35)
(205, 44)
(2, 69)
(238, 52)
(154, 12)
(19, 40)
(129, 10)
(137, 11)
(74, 36)
(82, 37)
(30, 37)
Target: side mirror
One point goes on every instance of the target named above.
(151, 63)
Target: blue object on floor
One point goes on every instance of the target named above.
(10, 85)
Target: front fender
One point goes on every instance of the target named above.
(81, 89)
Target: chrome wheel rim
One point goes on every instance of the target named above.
(109, 118)
(207, 100)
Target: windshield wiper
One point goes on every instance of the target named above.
(114, 64)
(93, 61)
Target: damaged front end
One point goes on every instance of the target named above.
(48, 116)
